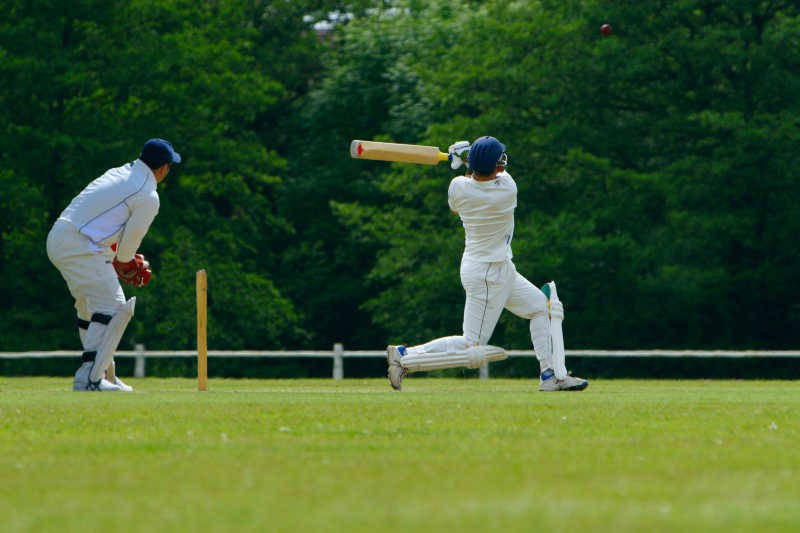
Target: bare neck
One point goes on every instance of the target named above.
(490, 177)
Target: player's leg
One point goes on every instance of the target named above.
(556, 315)
(451, 351)
(84, 317)
(527, 301)
(84, 320)
(561, 379)
(487, 286)
(70, 254)
(448, 352)
(119, 299)
(82, 376)
(93, 283)
(110, 316)
(545, 312)
(105, 302)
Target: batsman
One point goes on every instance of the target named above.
(485, 198)
(93, 243)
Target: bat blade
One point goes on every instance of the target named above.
(404, 153)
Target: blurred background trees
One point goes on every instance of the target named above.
(656, 166)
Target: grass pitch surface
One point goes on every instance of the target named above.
(445, 455)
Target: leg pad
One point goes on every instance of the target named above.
(472, 357)
(111, 337)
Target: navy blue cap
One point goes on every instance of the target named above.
(485, 153)
(157, 152)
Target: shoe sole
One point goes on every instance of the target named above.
(580, 387)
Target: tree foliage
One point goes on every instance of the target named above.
(656, 166)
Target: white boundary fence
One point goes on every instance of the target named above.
(339, 354)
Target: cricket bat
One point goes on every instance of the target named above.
(405, 153)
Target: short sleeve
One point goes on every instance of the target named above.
(452, 195)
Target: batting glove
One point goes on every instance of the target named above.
(458, 153)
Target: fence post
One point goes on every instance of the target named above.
(484, 372)
(138, 366)
(338, 361)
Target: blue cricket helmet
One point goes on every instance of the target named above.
(485, 154)
(157, 152)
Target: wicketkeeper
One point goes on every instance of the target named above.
(485, 200)
(93, 244)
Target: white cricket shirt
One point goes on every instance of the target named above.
(119, 206)
(486, 209)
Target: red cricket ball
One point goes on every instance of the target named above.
(605, 29)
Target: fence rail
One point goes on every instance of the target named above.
(339, 354)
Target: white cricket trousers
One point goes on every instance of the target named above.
(90, 277)
(490, 288)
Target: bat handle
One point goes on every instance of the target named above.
(443, 156)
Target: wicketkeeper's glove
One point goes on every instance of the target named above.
(458, 154)
(136, 271)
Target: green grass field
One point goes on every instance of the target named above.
(445, 455)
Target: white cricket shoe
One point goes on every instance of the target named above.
(104, 386)
(81, 380)
(548, 382)
(123, 387)
(396, 371)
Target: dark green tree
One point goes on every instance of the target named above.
(84, 85)
(654, 169)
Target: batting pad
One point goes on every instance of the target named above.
(472, 357)
(540, 335)
(114, 330)
(556, 312)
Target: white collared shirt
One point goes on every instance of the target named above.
(486, 209)
(119, 206)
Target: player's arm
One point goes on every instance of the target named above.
(143, 210)
(459, 155)
(452, 195)
(131, 267)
